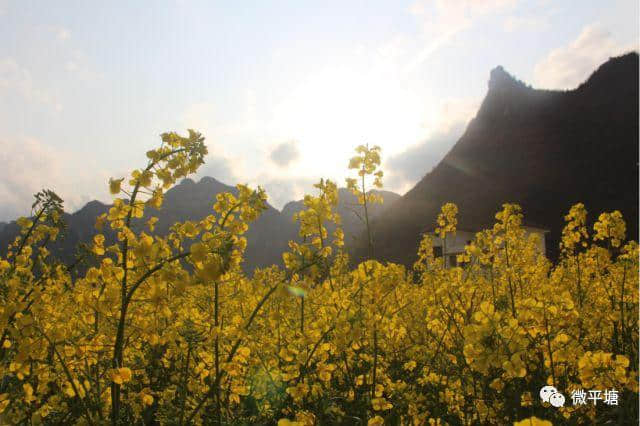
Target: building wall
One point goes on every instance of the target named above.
(455, 243)
(542, 246)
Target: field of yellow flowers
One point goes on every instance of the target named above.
(168, 330)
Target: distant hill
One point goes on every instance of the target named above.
(267, 237)
(544, 150)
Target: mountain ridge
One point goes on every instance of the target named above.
(267, 237)
(545, 150)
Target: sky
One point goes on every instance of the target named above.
(283, 91)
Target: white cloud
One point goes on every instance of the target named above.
(446, 126)
(63, 33)
(441, 20)
(19, 162)
(333, 109)
(28, 165)
(525, 23)
(369, 98)
(221, 163)
(18, 80)
(199, 115)
(219, 168)
(446, 14)
(79, 65)
(451, 112)
(282, 190)
(206, 117)
(71, 66)
(285, 153)
(568, 66)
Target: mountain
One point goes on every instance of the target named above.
(267, 237)
(545, 150)
(79, 228)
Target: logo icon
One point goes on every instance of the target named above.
(546, 392)
(557, 400)
(551, 395)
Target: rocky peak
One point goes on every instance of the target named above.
(500, 80)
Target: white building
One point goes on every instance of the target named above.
(455, 243)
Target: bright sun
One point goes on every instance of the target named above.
(337, 108)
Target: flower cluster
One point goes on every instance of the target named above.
(167, 329)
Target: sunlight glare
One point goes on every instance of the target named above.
(339, 108)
